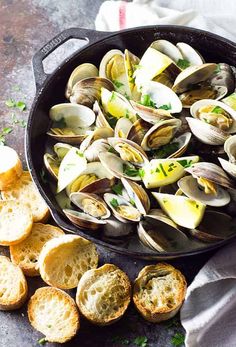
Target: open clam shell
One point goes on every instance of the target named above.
(61, 149)
(131, 62)
(160, 134)
(182, 142)
(94, 178)
(167, 48)
(91, 204)
(70, 122)
(224, 76)
(204, 91)
(52, 164)
(98, 134)
(211, 172)
(119, 167)
(215, 113)
(137, 195)
(150, 114)
(184, 211)
(229, 167)
(138, 130)
(123, 127)
(88, 90)
(193, 75)
(83, 220)
(189, 54)
(230, 148)
(92, 152)
(121, 208)
(160, 234)
(189, 186)
(79, 73)
(207, 133)
(128, 150)
(163, 96)
(215, 226)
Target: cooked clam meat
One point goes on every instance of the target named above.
(215, 115)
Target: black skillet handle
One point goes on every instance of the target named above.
(74, 33)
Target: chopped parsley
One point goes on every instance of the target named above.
(118, 84)
(183, 63)
(112, 150)
(185, 163)
(147, 101)
(21, 122)
(217, 110)
(141, 341)
(165, 150)
(165, 107)
(130, 170)
(113, 96)
(3, 133)
(132, 202)
(17, 104)
(114, 203)
(162, 170)
(137, 66)
(80, 154)
(178, 339)
(141, 172)
(218, 69)
(42, 341)
(117, 188)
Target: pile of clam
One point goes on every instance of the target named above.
(128, 153)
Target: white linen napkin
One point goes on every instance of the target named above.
(209, 312)
(212, 15)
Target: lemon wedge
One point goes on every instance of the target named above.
(152, 64)
(161, 172)
(184, 211)
(116, 105)
(70, 168)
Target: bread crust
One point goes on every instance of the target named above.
(15, 289)
(26, 253)
(63, 260)
(16, 222)
(25, 191)
(54, 313)
(103, 294)
(159, 291)
(10, 176)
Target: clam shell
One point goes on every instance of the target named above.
(167, 48)
(79, 73)
(52, 164)
(61, 149)
(205, 91)
(190, 54)
(230, 148)
(98, 134)
(224, 77)
(174, 123)
(83, 220)
(78, 198)
(183, 142)
(131, 62)
(197, 105)
(108, 197)
(150, 114)
(88, 90)
(137, 194)
(123, 127)
(193, 75)
(138, 130)
(229, 167)
(98, 146)
(190, 188)
(206, 133)
(115, 165)
(211, 172)
(116, 229)
(117, 142)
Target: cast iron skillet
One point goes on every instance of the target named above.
(50, 91)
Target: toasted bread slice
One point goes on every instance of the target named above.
(103, 294)
(10, 167)
(25, 191)
(53, 312)
(159, 291)
(26, 253)
(63, 260)
(15, 222)
(13, 285)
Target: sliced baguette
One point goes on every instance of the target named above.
(26, 253)
(10, 167)
(159, 291)
(13, 285)
(15, 222)
(25, 191)
(103, 294)
(63, 260)
(53, 312)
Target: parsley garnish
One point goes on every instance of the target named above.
(114, 203)
(42, 341)
(117, 188)
(178, 339)
(3, 133)
(118, 84)
(165, 107)
(79, 154)
(112, 150)
(113, 96)
(217, 110)
(21, 122)
(132, 202)
(147, 101)
(130, 170)
(17, 104)
(218, 69)
(185, 163)
(183, 63)
(141, 172)
(165, 150)
(141, 341)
